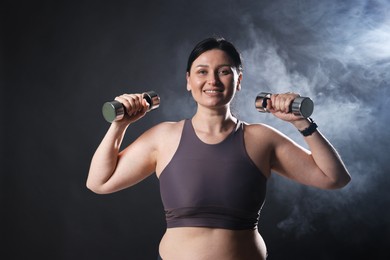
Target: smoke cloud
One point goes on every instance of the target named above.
(339, 55)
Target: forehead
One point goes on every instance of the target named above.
(213, 57)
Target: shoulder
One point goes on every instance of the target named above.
(259, 129)
(263, 133)
(160, 135)
(168, 127)
(165, 130)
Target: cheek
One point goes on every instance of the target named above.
(231, 81)
(194, 82)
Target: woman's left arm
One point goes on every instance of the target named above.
(321, 167)
(323, 161)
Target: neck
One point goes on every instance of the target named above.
(213, 121)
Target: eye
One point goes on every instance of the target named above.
(224, 71)
(202, 72)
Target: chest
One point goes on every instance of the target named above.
(212, 176)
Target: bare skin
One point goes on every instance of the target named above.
(213, 83)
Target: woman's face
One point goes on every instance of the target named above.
(213, 80)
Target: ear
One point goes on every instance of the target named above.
(188, 82)
(238, 87)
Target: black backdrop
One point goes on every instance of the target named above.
(61, 60)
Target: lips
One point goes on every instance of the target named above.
(212, 91)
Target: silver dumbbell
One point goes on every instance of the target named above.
(301, 106)
(114, 110)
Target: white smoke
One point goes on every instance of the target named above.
(339, 55)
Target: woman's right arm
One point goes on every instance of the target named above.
(112, 170)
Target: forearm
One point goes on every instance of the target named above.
(105, 159)
(325, 157)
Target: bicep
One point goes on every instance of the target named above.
(136, 162)
(295, 162)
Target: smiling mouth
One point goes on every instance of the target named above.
(213, 91)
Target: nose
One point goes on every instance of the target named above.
(213, 79)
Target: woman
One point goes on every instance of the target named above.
(213, 168)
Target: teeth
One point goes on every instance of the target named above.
(212, 91)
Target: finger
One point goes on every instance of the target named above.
(141, 101)
(269, 104)
(287, 100)
(275, 102)
(125, 102)
(130, 102)
(140, 105)
(145, 105)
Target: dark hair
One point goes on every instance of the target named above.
(215, 43)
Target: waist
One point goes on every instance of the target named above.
(212, 243)
(212, 217)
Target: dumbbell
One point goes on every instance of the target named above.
(301, 106)
(114, 110)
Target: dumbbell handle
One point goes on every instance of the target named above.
(301, 106)
(114, 110)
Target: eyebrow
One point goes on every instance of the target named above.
(223, 65)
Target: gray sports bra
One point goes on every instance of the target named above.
(212, 185)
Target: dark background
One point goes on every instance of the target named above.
(61, 60)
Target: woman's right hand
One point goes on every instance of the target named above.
(135, 107)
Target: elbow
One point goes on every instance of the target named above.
(98, 189)
(101, 188)
(340, 182)
(92, 188)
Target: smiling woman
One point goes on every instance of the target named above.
(213, 168)
(213, 79)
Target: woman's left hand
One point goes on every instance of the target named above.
(280, 106)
